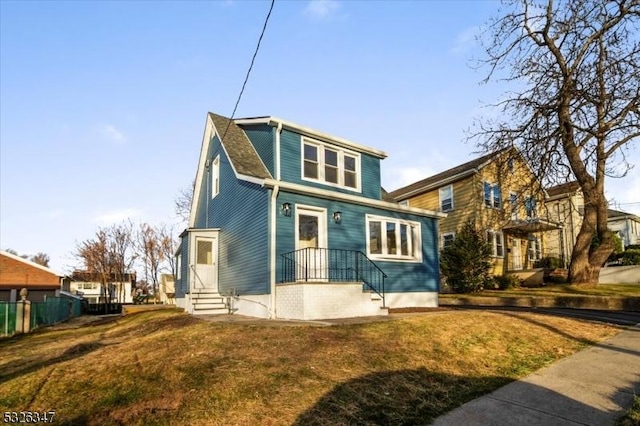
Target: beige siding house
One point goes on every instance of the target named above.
(500, 194)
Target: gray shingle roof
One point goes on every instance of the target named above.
(239, 148)
(425, 184)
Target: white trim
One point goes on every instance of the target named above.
(321, 212)
(494, 242)
(314, 134)
(271, 232)
(417, 299)
(322, 147)
(450, 187)
(215, 176)
(445, 234)
(414, 243)
(355, 199)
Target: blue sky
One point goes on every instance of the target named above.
(103, 104)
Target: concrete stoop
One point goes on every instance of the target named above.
(208, 302)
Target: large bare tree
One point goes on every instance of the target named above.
(574, 67)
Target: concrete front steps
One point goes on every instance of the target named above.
(208, 302)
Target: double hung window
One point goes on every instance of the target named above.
(330, 165)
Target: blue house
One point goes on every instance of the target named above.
(290, 222)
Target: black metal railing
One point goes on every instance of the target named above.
(332, 265)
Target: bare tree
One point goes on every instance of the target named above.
(168, 245)
(123, 255)
(151, 253)
(96, 259)
(575, 110)
(41, 259)
(183, 202)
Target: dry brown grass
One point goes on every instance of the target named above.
(164, 367)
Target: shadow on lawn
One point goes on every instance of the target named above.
(8, 372)
(408, 397)
(418, 397)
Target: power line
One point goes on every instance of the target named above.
(264, 27)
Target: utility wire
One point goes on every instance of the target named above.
(264, 27)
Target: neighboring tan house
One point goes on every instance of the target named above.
(167, 289)
(17, 273)
(88, 285)
(290, 222)
(626, 225)
(565, 205)
(499, 193)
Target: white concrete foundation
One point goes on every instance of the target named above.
(252, 305)
(321, 300)
(412, 300)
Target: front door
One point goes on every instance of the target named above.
(205, 277)
(516, 254)
(311, 244)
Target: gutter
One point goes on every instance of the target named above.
(272, 252)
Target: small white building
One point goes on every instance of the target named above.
(89, 286)
(626, 225)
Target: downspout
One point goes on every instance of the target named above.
(272, 251)
(277, 159)
(272, 228)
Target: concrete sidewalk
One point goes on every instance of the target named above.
(592, 387)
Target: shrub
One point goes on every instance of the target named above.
(630, 257)
(632, 247)
(505, 282)
(550, 262)
(465, 262)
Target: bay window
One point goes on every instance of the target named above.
(393, 239)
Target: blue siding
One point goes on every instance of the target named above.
(263, 139)
(291, 168)
(351, 234)
(240, 211)
(182, 284)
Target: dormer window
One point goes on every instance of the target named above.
(330, 165)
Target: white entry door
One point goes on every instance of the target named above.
(311, 235)
(516, 254)
(206, 255)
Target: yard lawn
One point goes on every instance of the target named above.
(165, 367)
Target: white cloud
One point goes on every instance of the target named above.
(465, 40)
(116, 216)
(322, 9)
(111, 134)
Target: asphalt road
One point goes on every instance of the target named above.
(610, 317)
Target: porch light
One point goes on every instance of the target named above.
(286, 209)
(337, 217)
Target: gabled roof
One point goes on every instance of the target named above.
(240, 150)
(30, 263)
(244, 160)
(617, 214)
(448, 176)
(564, 188)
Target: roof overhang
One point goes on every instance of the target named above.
(306, 131)
(530, 226)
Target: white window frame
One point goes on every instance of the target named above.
(179, 266)
(342, 153)
(513, 205)
(215, 177)
(492, 240)
(494, 189)
(440, 191)
(414, 243)
(443, 237)
(534, 253)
